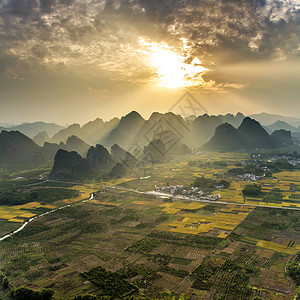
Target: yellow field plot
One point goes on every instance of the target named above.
(225, 227)
(4, 210)
(277, 247)
(50, 206)
(10, 213)
(288, 175)
(241, 210)
(83, 188)
(267, 188)
(173, 208)
(238, 199)
(168, 204)
(179, 204)
(229, 209)
(27, 215)
(16, 220)
(284, 182)
(252, 199)
(185, 220)
(228, 193)
(196, 224)
(84, 193)
(231, 196)
(263, 203)
(223, 235)
(195, 205)
(286, 204)
(28, 205)
(7, 216)
(244, 208)
(237, 184)
(285, 188)
(79, 198)
(252, 202)
(67, 201)
(104, 203)
(228, 206)
(268, 181)
(171, 211)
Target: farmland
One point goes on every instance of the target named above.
(138, 235)
(235, 248)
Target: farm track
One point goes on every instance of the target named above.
(198, 200)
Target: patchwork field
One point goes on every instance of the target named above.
(18, 214)
(219, 222)
(235, 248)
(201, 250)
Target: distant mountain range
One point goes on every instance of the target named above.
(32, 129)
(249, 135)
(194, 130)
(268, 119)
(132, 138)
(133, 128)
(283, 125)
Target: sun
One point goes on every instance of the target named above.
(171, 69)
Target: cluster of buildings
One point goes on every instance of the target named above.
(250, 177)
(295, 162)
(192, 193)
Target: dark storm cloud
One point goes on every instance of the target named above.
(87, 34)
(21, 8)
(251, 29)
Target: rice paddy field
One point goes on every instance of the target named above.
(237, 248)
(200, 250)
(282, 190)
(220, 223)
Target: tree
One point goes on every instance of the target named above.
(24, 293)
(252, 190)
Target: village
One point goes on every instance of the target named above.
(188, 193)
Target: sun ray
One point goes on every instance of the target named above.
(171, 68)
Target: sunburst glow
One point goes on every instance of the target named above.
(170, 68)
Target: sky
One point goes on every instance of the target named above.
(71, 61)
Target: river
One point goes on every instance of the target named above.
(41, 215)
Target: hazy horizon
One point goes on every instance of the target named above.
(146, 117)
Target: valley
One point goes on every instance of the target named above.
(155, 244)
